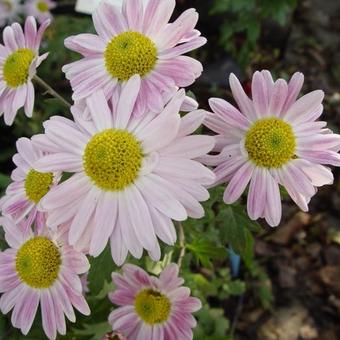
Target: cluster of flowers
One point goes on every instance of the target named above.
(136, 165)
(11, 10)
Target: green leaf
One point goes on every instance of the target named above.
(236, 287)
(236, 230)
(100, 271)
(212, 324)
(206, 250)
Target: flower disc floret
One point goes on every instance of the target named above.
(42, 6)
(270, 143)
(128, 54)
(112, 159)
(37, 184)
(38, 262)
(152, 306)
(16, 67)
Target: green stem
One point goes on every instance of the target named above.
(51, 91)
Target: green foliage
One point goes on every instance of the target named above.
(92, 331)
(205, 250)
(243, 23)
(212, 325)
(236, 230)
(100, 272)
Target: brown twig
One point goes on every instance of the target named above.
(51, 91)
(181, 244)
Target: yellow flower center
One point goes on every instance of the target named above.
(37, 184)
(270, 143)
(130, 53)
(112, 159)
(38, 262)
(152, 307)
(16, 67)
(8, 4)
(42, 6)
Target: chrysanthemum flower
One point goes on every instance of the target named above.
(40, 9)
(152, 308)
(19, 59)
(136, 41)
(22, 199)
(132, 174)
(39, 269)
(9, 11)
(273, 140)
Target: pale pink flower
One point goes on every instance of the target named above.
(19, 59)
(131, 41)
(152, 308)
(133, 175)
(9, 11)
(40, 9)
(39, 269)
(23, 195)
(273, 139)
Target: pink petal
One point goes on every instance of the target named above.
(304, 107)
(278, 97)
(229, 113)
(133, 12)
(257, 193)
(238, 183)
(260, 95)
(273, 208)
(294, 87)
(242, 100)
(105, 217)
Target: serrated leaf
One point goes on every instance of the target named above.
(236, 226)
(206, 250)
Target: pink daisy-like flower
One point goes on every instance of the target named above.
(19, 59)
(273, 140)
(134, 41)
(22, 199)
(133, 175)
(151, 307)
(39, 269)
(40, 9)
(9, 11)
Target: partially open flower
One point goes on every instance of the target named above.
(19, 59)
(39, 269)
(152, 308)
(136, 41)
(273, 140)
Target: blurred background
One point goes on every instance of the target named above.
(291, 288)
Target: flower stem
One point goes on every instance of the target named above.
(181, 244)
(50, 90)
